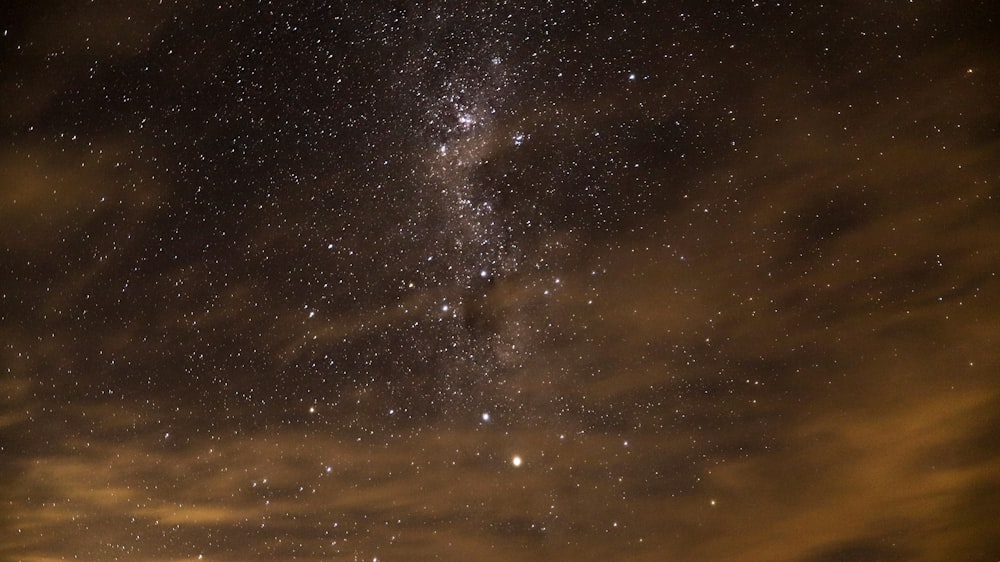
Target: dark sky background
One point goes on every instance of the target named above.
(650, 280)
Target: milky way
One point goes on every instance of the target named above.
(499, 281)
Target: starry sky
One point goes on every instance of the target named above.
(515, 280)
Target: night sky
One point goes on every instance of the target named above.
(514, 280)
